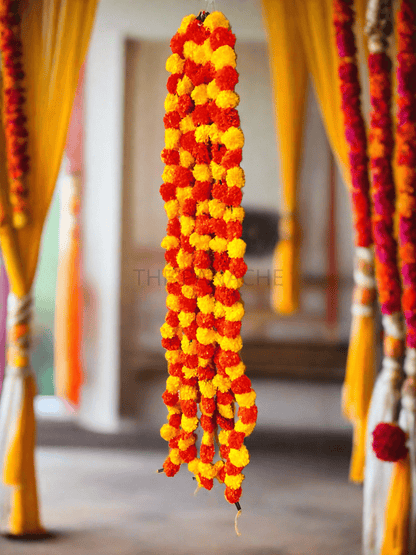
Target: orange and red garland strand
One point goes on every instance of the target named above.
(204, 255)
(13, 109)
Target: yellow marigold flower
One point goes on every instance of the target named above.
(246, 400)
(213, 90)
(219, 311)
(224, 56)
(215, 134)
(168, 174)
(227, 279)
(207, 49)
(231, 344)
(206, 470)
(169, 242)
(172, 384)
(234, 482)
(203, 362)
(199, 95)
(205, 335)
(236, 371)
(185, 443)
(204, 273)
(174, 410)
(172, 208)
(218, 244)
(202, 134)
(185, 157)
(174, 64)
(172, 302)
(234, 313)
(202, 172)
(186, 124)
(182, 193)
(202, 208)
(221, 383)
(216, 208)
(171, 103)
(236, 248)
(207, 388)
(187, 225)
(186, 318)
(227, 99)
(189, 424)
(193, 466)
(167, 331)
(223, 436)
(189, 372)
(234, 214)
(175, 456)
(168, 432)
(188, 347)
(196, 52)
(233, 138)
(173, 356)
(184, 259)
(170, 274)
(245, 428)
(218, 172)
(216, 19)
(239, 457)
(227, 411)
(172, 137)
(185, 22)
(188, 393)
(207, 438)
(206, 304)
(188, 291)
(235, 177)
(184, 86)
(200, 242)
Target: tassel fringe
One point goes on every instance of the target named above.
(358, 386)
(396, 534)
(285, 286)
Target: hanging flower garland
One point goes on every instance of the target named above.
(13, 109)
(204, 254)
(359, 379)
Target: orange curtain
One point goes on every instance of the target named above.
(55, 36)
(289, 78)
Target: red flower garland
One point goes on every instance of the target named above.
(202, 194)
(13, 109)
(355, 133)
(406, 161)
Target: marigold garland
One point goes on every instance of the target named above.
(202, 191)
(13, 109)
(406, 161)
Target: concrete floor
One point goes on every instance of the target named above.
(109, 500)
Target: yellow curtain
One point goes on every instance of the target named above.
(289, 78)
(55, 36)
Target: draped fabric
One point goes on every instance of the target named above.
(289, 78)
(55, 36)
(68, 308)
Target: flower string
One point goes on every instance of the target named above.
(381, 144)
(204, 179)
(406, 161)
(13, 109)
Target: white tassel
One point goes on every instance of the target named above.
(383, 408)
(407, 423)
